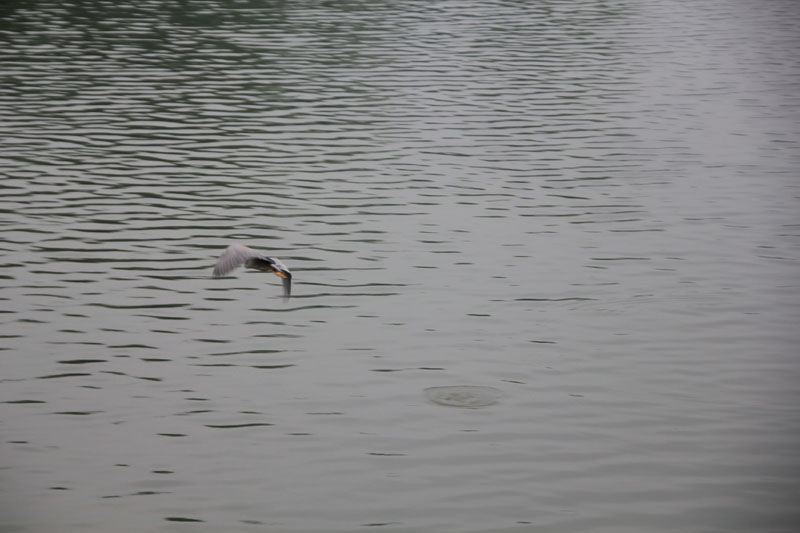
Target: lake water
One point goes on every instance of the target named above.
(546, 266)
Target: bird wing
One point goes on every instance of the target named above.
(233, 257)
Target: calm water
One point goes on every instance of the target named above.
(588, 209)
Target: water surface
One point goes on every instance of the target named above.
(589, 207)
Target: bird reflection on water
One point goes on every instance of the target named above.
(237, 255)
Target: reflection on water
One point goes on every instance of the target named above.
(589, 207)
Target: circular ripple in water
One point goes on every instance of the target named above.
(465, 396)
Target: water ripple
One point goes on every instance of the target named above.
(589, 205)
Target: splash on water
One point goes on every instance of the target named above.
(464, 396)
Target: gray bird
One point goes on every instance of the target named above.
(237, 255)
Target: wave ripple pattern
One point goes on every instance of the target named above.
(544, 261)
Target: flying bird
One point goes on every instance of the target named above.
(237, 255)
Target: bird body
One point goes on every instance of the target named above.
(237, 255)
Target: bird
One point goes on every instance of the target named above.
(237, 255)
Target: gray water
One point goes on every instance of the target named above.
(585, 215)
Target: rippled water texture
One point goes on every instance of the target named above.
(588, 206)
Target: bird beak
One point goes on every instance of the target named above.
(282, 273)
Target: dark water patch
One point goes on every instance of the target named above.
(573, 299)
(81, 361)
(390, 370)
(139, 306)
(386, 454)
(157, 317)
(237, 426)
(47, 295)
(261, 351)
(302, 308)
(620, 259)
(134, 346)
(65, 375)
